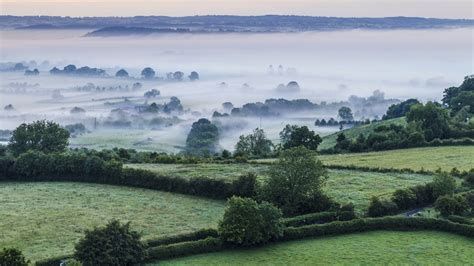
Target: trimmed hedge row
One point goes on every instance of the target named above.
(192, 236)
(380, 169)
(373, 224)
(207, 245)
(77, 167)
(318, 218)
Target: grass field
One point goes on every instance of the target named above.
(371, 248)
(344, 186)
(429, 158)
(47, 219)
(330, 140)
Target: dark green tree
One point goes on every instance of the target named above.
(295, 178)
(255, 144)
(112, 245)
(345, 113)
(400, 109)
(432, 118)
(203, 139)
(12, 257)
(294, 136)
(45, 136)
(247, 223)
(148, 73)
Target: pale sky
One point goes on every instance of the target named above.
(340, 8)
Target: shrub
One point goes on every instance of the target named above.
(12, 257)
(209, 244)
(192, 236)
(245, 185)
(378, 208)
(248, 223)
(404, 198)
(114, 244)
(443, 184)
(459, 219)
(449, 205)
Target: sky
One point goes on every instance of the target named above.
(339, 8)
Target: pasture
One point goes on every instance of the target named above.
(371, 248)
(48, 218)
(428, 158)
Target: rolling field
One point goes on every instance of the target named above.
(343, 185)
(330, 140)
(429, 158)
(371, 248)
(49, 218)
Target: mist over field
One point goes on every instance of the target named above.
(329, 66)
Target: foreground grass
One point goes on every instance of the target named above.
(371, 248)
(47, 219)
(429, 158)
(343, 185)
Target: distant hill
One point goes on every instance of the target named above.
(330, 140)
(268, 23)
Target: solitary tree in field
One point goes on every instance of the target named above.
(255, 144)
(193, 76)
(296, 178)
(122, 73)
(345, 113)
(45, 136)
(148, 73)
(203, 139)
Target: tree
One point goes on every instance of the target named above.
(342, 143)
(69, 69)
(295, 178)
(451, 205)
(443, 184)
(45, 136)
(432, 118)
(345, 113)
(193, 76)
(152, 93)
(247, 223)
(148, 73)
(203, 139)
(114, 244)
(178, 75)
(457, 98)
(122, 73)
(12, 257)
(399, 109)
(378, 208)
(294, 136)
(255, 144)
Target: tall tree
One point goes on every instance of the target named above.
(294, 136)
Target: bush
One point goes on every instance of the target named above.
(248, 223)
(114, 244)
(206, 245)
(449, 205)
(443, 184)
(12, 257)
(459, 219)
(373, 224)
(404, 198)
(378, 208)
(245, 186)
(193, 236)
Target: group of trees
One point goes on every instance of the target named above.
(73, 70)
(149, 73)
(257, 144)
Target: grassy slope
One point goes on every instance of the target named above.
(330, 140)
(46, 219)
(430, 158)
(345, 186)
(371, 248)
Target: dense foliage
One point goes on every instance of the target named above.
(295, 182)
(12, 257)
(41, 135)
(399, 109)
(115, 244)
(293, 136)
(256, 144)
(248, 223)
(203, 139)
